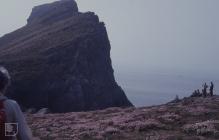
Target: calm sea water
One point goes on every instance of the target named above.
(154, 89)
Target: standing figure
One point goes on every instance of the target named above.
(212, 89)
(199, 93)
(205, 87)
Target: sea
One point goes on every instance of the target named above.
(148, 89)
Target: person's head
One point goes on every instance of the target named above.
(4, 79)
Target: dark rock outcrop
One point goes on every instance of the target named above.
(61, 60)
(49, 13)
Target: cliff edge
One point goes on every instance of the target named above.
(61, 60)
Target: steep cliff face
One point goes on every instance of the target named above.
(61, 60)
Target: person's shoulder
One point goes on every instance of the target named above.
(12, 105)
(11, 102)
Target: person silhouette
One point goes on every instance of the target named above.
(12, 121)
(198, 92)
(194, 94)
(205, 87)
(211, 89)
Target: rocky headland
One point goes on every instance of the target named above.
(61, 60)
(192, 118)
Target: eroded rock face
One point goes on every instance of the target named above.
(50, 13)
(64, 65)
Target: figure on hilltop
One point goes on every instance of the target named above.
(199, 93)
(204, 90)
(196, 93)
(211, 89)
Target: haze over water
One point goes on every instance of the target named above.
(146, 89)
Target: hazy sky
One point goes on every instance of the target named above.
(146, 34)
